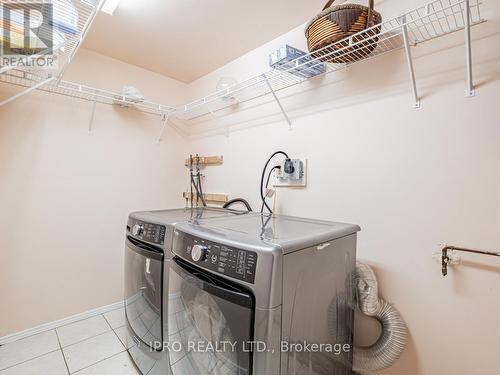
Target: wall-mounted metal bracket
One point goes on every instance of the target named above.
(409, 59)
(470, 92)
(92, 116)
(210, 109)
(277, 101)
(164, 122)
(446, 260)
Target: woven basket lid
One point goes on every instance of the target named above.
(376, 15)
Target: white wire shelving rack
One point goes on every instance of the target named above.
(30, 76)
(436, 19)
(76, 90)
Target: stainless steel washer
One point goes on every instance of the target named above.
(147, 262)
(273, 280)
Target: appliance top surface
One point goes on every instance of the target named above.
(184, 214)
(264, 231)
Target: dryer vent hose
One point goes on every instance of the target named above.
(392, 342)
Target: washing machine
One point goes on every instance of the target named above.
(261, 295)
(147, 262)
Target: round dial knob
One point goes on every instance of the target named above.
(137, 230)
(199, 253)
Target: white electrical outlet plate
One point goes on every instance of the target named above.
(296, 179)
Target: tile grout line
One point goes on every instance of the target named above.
(90, 317)
(55, 330)
(91, 337)
(62, 352)
(40, 329)
(123, 343)
(67, 346)
(107, 321)
(104, 359)
(85, 339)
(20, 363)
(101, 360)
(113, 329)
(119, 339)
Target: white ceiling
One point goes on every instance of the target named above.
(186, 39)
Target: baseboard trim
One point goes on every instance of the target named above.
(59, 323)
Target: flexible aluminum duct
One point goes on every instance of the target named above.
(392, 342)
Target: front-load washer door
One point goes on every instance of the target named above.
(210, 323)
(143, 291)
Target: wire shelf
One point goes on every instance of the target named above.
(436, 19)
(92, 94)
(32, 80)
(69, 21)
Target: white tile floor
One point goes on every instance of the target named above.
(92, 346)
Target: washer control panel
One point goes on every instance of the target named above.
(148, 232)
(229, 261)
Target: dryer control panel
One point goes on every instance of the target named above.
(229, 261)
(148, 232)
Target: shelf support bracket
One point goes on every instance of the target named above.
(468, 51)
(92, 116)
(164, 122)
(27, 91)
(409, 58)
(277, 101)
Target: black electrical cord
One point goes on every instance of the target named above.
(191, 178)
(196, 184)
(264, 174)
(193, 183)
(267, 184)
(238, 200)
(201, 190)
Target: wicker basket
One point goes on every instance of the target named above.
(339, 22)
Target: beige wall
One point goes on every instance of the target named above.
(65, 195)
(412, 179)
